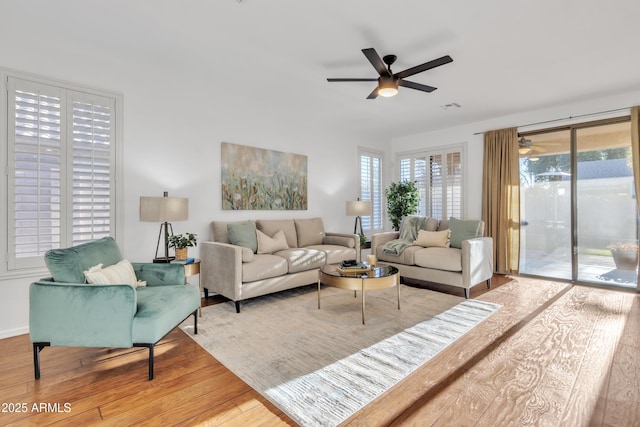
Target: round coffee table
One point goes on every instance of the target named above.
(380, 277)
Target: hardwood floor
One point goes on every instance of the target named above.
(553, 355)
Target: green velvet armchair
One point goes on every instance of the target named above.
(64, 310)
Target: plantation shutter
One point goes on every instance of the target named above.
(371, 189)
(60, 171)
(92, 159)
(438, 177)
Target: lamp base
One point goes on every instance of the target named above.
(163, 260)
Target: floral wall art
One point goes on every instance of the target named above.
(259, 179)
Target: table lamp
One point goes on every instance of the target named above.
(359, 208)
(164, 210)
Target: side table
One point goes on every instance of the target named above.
(191, 270)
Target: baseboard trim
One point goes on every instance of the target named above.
(14, 332)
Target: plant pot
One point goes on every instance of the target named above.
(182, 253)
(625, 260)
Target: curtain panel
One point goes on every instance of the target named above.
(501, 197)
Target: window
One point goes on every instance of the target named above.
(438, 176)
(371, 164)
(61, 158)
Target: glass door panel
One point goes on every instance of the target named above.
(545, 205)
(606, 209)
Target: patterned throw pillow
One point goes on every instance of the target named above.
(117, 274)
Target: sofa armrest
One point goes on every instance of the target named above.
(342, 239)
(81, 315)
(379, 239)
(221, 269)
(159, 274)
(477, 260)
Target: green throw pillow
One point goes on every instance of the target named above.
(462, 230)
(243, 234)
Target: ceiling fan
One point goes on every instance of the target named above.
(388, 81)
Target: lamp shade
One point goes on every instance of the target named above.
(359, 208)
(164, 209)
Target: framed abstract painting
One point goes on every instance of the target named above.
(259, 179)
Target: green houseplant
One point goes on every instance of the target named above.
(402, 200)
(180, 242)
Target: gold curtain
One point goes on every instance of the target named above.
(635, 149)
(501, 198)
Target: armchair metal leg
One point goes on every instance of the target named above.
(151, 362)
(37, 347)
(195, 322)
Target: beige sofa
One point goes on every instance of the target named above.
(234, 269)
(464, 266)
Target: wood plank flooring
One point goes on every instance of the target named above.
(553, 355)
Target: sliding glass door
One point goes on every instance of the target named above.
(578, 208)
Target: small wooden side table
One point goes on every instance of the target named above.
(191, 270)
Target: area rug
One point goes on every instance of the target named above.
(320, 366)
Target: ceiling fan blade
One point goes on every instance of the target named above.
(417, 86)
(352, 80)
(376, 61)
(424, 67)
(374, 94)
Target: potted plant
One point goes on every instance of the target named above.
(625, 255)
(402, 200)
(181, 243)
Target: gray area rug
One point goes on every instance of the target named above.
(322, 366)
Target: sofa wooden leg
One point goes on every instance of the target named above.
(489, 283)
(237, 306)
(37, 347)
(466, 293)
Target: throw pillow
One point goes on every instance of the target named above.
(310, 232)
(462, 230)
(117, 274)
(269, 245)
(433, 238)
(243, 234)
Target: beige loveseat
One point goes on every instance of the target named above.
(464, 266)
(235, 266)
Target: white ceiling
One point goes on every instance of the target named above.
(510, 56)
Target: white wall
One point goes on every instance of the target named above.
(475, 143)
(174, 122)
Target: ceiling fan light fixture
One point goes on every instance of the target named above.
(387, 86)
(523, 150)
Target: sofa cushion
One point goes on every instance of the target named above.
(309, 231)
(243, 234)
(264, 266)
(271, 226)
(407, 256)
(448, 259)
(462, 230)
(247, 255)
(433, 238)
(336, 253)
(161, 309)
(68, 265)
(302, 259)
(269, 245)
